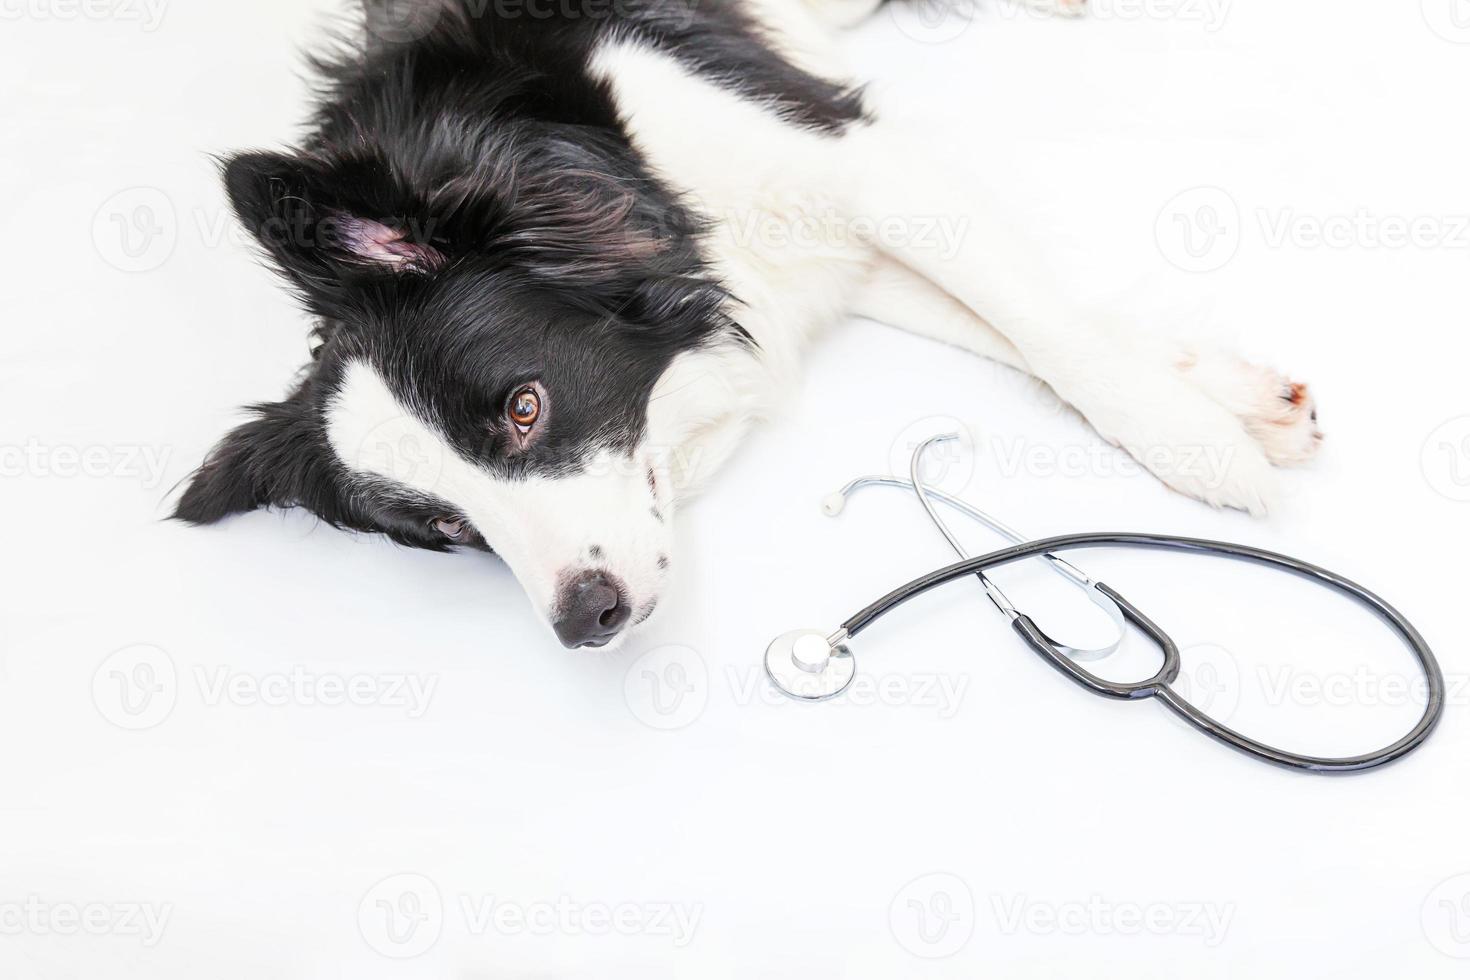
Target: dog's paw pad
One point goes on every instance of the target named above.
(1279, 413)
(1286, 425)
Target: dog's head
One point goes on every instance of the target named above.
(489, 348)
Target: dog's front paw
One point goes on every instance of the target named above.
(1189, 441)
(1286, 422)
(1208, 458)
(1279, 413)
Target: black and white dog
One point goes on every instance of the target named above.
(524, 228)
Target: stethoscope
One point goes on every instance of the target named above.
(811, 665)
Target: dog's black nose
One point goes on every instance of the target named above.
(591, 610)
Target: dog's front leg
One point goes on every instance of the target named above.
(981, 255)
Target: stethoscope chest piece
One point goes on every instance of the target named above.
(809, 665)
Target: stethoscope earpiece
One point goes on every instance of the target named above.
(809, 665)
(833, 503)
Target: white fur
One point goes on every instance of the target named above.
(797, 217)
(987, 290)
(545, 529)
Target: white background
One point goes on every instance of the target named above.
(1040, 831)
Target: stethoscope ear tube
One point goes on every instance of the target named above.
(1057, 657)
(1159, 685)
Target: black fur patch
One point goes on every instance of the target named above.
(467, 215)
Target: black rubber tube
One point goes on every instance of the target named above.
(1158, 685)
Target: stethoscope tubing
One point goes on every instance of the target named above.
(1159, 685)
(1069, 572)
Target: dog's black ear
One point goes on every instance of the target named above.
(278, 459)
(326, 225)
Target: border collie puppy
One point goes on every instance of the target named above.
(563, 253)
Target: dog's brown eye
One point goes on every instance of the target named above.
(453, 528)
(525, 408)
